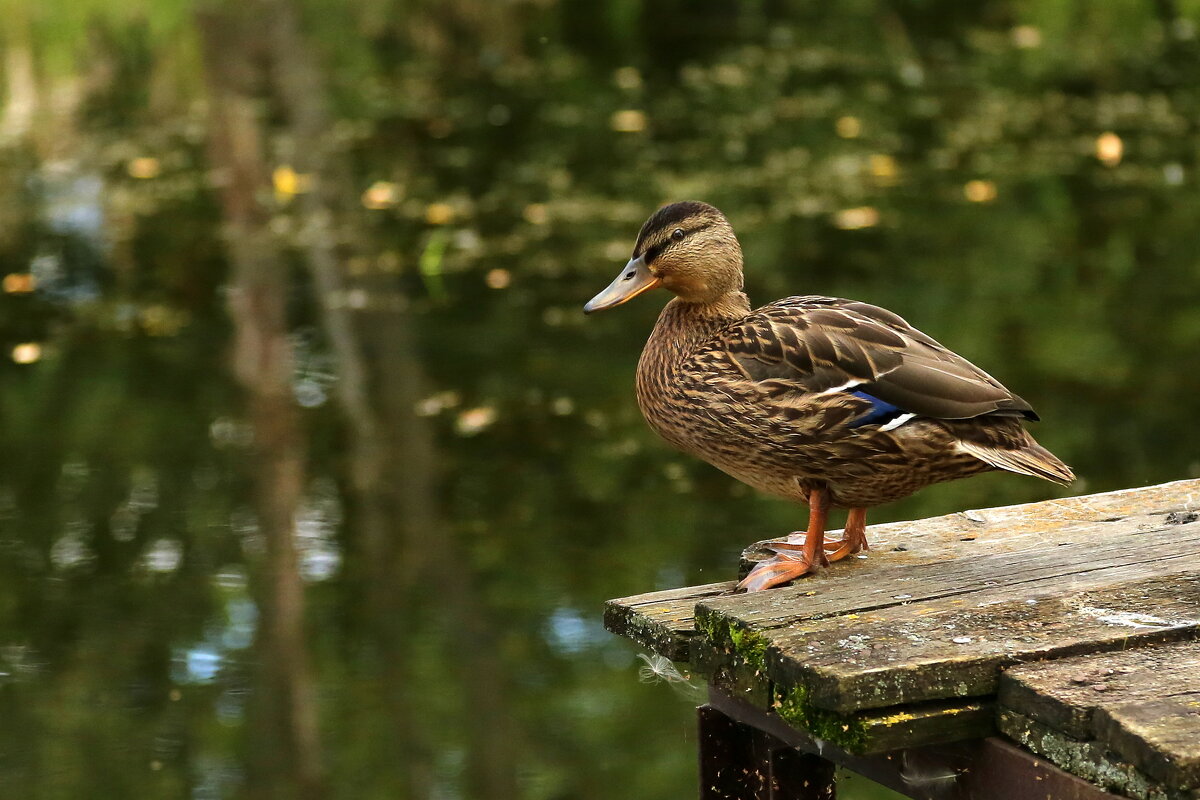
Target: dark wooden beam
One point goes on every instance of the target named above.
(741, 762)
(976, 769)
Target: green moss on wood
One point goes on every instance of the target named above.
(706, 625)
(847, 732)
(791, 703)
(749, 646)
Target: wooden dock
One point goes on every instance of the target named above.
(957, 647)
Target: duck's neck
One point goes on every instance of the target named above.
(681, 330)
(682, 327)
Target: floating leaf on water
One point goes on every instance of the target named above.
(380, 195)
(288, 183)
(27, 353)
(980, 191)
(1027, 37)
(498, 278)
(851, 219)
(884, 168)
(536, 214)
(848, 127)
(474, 420)
(435, 404)
(439, 213)
(1109, 149)
(19, 283)
(629, 120)
(628, 78)
(143, 168)
(729, 75)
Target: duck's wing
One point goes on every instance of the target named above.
(827, 345)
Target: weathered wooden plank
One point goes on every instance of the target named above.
(1087, 759)
(887, 729)
(1025, 526)
(951, 648)
(833, 640)
(1086, 548)
(1142, 705)
(846, 654)
(919, 725)
(1160, 737)
(1066, 694)
(872, 731)
(661, 621)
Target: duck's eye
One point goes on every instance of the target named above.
(677, 234)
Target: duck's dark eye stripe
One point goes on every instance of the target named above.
(654, 251)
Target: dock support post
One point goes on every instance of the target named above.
(741, 762)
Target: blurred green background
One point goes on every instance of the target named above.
(314, 478)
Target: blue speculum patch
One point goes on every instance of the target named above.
(881, 413)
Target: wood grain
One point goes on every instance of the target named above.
(1141, 706)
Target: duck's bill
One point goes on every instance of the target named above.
(634, 279)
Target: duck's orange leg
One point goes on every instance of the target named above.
(854, 537)
(783, 566)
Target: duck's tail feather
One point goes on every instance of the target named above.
(1029, 459)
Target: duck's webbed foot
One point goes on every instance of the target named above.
(776, 571)
(854, 537)
(795, 559)
(797, 545)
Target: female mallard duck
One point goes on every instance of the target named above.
(833, 403)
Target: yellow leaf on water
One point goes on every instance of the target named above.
(629, 120)
(143, 167)
(851, 219)
(1109, 149)
(848, 127)
(19, 283)
(288, 183)
(498, 278)
(380, 195)
(439, 213)
(980, 191)
(27, 353)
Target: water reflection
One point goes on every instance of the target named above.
(427, 198)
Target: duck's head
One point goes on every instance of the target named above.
(686, 248)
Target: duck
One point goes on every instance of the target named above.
(828, 402)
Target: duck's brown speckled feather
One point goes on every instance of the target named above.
(766, 396)
(819, 343)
